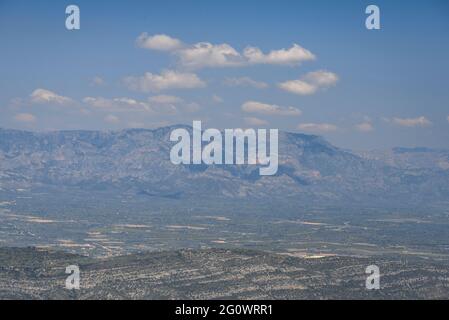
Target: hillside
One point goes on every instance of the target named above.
(215, 274)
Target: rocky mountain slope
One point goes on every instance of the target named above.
(137, 160)
(215, 274)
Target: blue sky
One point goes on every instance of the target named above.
(141, 64)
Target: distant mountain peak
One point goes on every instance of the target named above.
(137, 160)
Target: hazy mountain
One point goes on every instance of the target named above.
(137, 160)
(411, 158)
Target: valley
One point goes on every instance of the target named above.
(140, 227)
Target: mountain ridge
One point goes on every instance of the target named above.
(137, 160)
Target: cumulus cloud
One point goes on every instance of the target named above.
(157, 105)
(168, 79)
(310, 83)
(412, 122)
(292, 56)
(321, 78)
(298, 87)
(159, 42)
(206, 54)
(112, 119)
(269, 109)
(117, 104)
(42, 96)
(245, 82)
(167, 104)
(25, 117)
(252, 121)
(317, 127)
(364, 127)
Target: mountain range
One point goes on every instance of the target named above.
(311, 170)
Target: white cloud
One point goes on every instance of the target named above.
(170, 104)
(321, 78)
(245, 82)
(364, 127)
(98, 81)
(269, 109)
(160, 42)
(447, 118)
(206, 54)
(168, 79)
(165, 99)
(25, 117)
(159, 104)
(112, 119)
(41, 96)
(256, 121)
(317, 127)
(310, 83)
(117, 104)
(298, 87)
(412, 122)
(293, 56)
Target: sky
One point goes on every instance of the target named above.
(300, 66)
